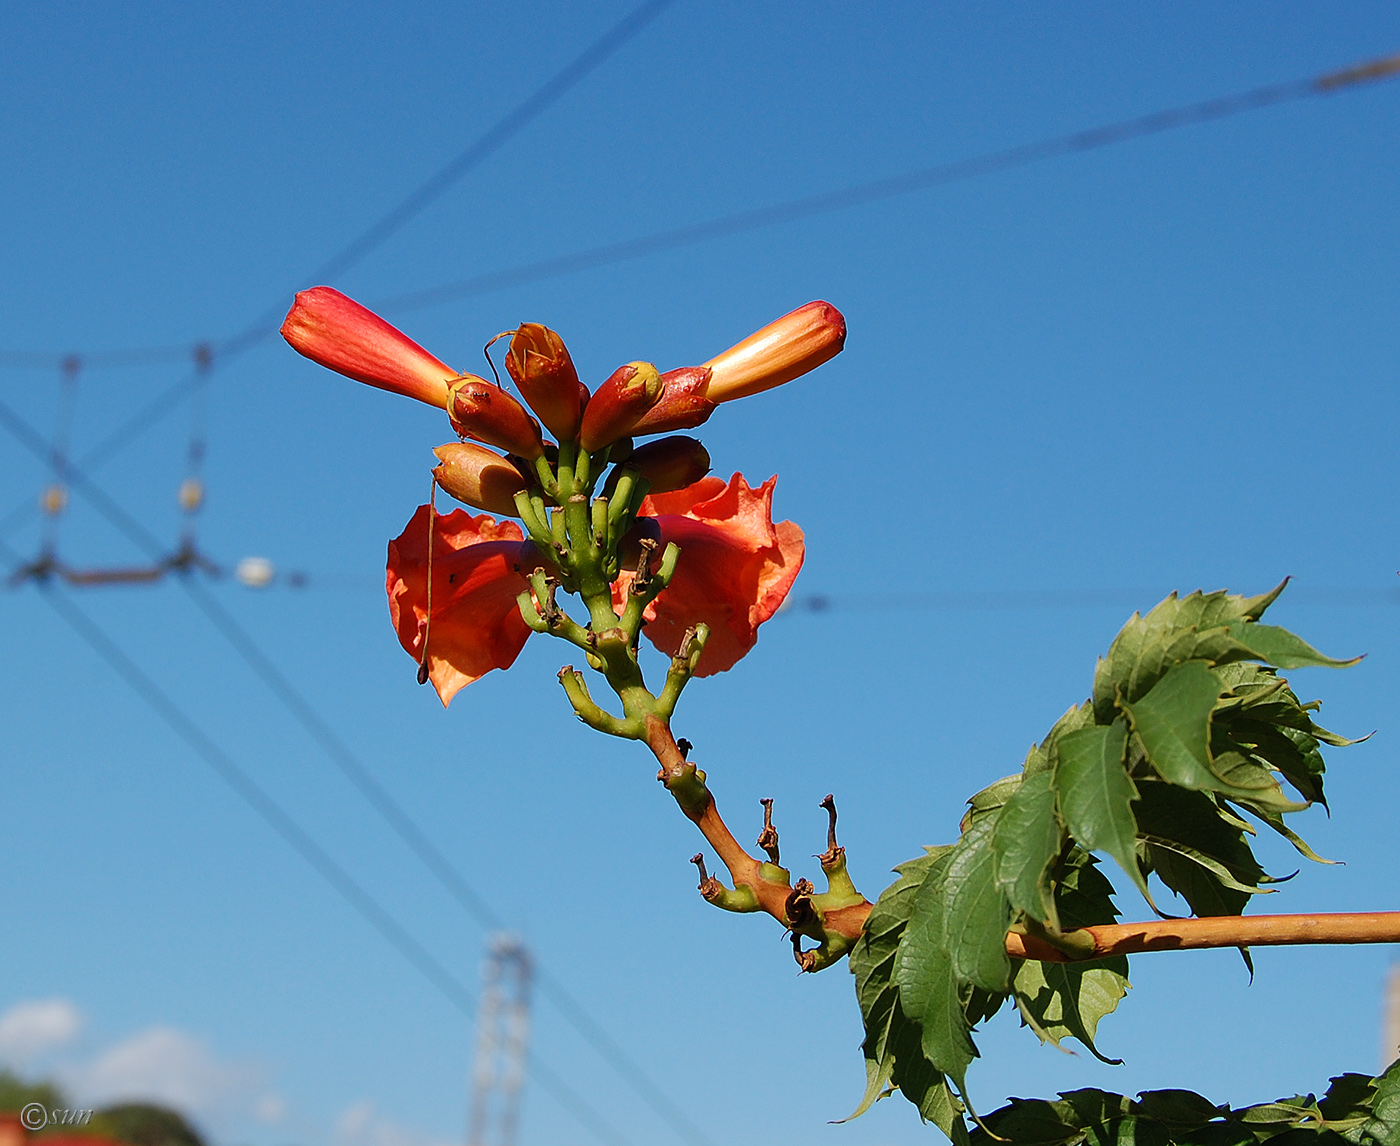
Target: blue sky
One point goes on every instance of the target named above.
(1071, 388)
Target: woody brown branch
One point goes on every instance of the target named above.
(744, 870)
(1091, 942)
(1217, 931)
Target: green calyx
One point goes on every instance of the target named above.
(581, 534)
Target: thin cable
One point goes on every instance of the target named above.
(511, 125)
(307, 848)
(941, 174)
(378, 232)
(374, 793)
(267, 323)
(1092, 139)
(791, 211)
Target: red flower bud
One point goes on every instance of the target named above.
(477, 477)
(542, 368)
(342, 335)
(781, 351)
(629, 392)
(683, 403)
(671, 463)
(487, 413)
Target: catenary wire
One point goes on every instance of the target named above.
(694, 233)
(1137, 127)
(266, 324)
(370, 788)
(755, 219)
(307, 848)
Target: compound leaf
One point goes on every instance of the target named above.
(1096, 795)
(1025, 843)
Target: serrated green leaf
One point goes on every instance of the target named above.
(1222, 873)
(1285, 650)
(1067, 1000)
(1194, 851)
(1183, 1108)
(990, 799)
(1042, 756)
(1275, 821)
(1173, 723)
(976, 914)
(1195, 627)
(1060, 1000)
(1096, 795)
(1349, 1102)
(1293, 753)
(1025, 842)
(1384, 1123)
(872, 964)
(929, 992)
(1031, 1122)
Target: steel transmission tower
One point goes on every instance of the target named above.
(503, 1028)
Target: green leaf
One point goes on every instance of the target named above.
(1277, 646)
(975, 912)
(1042, 756)
(1293, 753)
(872, 963)
(1025, 842)
(1064, 1000)
(928, 989)
(1195, 851)
(990, 799)
(1173, 722)
(1060, 1000)
(1195, 627)
(1096, 795)
(1384, 1124)
(1177, 1108)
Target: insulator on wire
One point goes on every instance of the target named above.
(191, 495)
(255, 572)
(54, 500)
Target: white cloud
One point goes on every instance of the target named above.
(31, 1028)
(359, 1125)
(173, 1068)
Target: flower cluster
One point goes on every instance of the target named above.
(639, 532)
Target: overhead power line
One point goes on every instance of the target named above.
(691, 234)
(340, 754)
(821, 203)
(311, 852)
(211, 356)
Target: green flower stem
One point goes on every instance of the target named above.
(546, 477)
(577, 691)
(532, 514)
(583, 533)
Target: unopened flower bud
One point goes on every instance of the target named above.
(629, 392)
(781, 351)
(487, 413)
(477, 477)
(336, 331)
(670, 463)
(542, 368)
(683, 403)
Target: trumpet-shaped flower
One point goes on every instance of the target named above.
(736, 567)
(340, 334)
(479, 569)
(785, 349)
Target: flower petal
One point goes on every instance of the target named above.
(736, 567)
(343, 336)
(479, 570)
